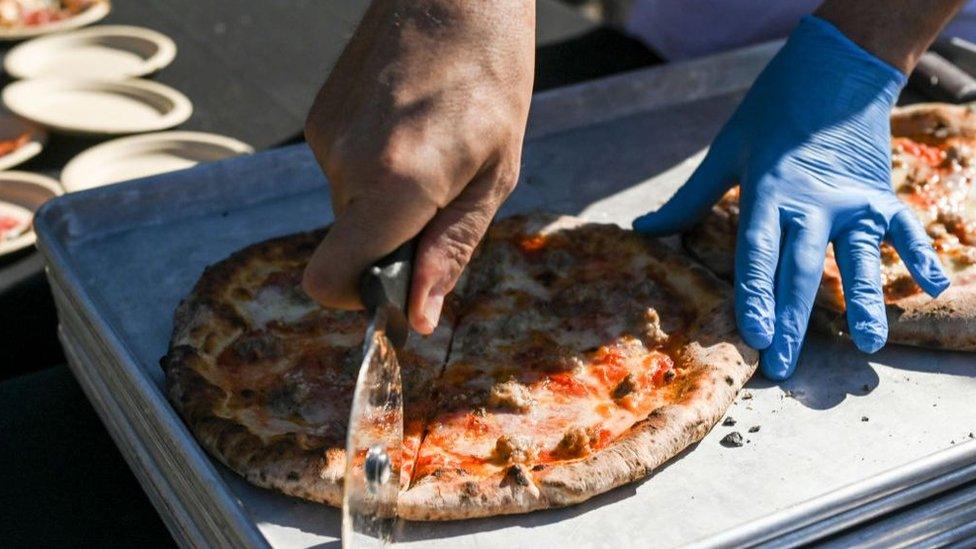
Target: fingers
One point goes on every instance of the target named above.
(756, 257)
(367, 229)
(859, 259)
(915, 249)
(797, 280)
(705, 186)
(447, 244)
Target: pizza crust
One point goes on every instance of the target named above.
(716, 362)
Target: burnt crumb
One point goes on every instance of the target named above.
(732, 440)
(864, 418)
(669, 375)
(865, 388)
(546, 278)
(755, 428)
(729, 380)
(624, 388)
(746, 396)
(728, 422)
(971, 435)
(517, 475)
(538, 467)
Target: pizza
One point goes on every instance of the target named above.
(933, 153)
(37, 13)
(572, 358)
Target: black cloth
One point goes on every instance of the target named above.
(62, 481)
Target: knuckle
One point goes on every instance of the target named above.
(506, 181)
(760, 239)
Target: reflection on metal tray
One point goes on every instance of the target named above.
(121, 258)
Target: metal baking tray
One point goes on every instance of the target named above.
(121, 257)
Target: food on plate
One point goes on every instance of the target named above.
(934, 172)
(14, 221)
(8, 146)
(36, 13)
(572, 358)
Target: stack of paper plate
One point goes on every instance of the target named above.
(144, 155)
(86, 82)
(81, 82)
(107, 51)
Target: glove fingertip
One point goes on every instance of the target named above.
(868, 342)
(931, 277)
(778, 361)
(756, 332)
(643, 223)
(936, 283)
(774, 369)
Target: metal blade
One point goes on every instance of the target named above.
(375, 443)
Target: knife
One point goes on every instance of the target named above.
(375, 434)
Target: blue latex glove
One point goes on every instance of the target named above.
(810, 146)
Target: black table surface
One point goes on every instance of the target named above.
(251, 69)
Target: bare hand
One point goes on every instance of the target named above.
(419, 129)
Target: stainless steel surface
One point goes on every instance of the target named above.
(125, 255)
(934, 523)
(197, 507)
(874, 499)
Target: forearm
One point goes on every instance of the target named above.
(421, 35)
(896, 31)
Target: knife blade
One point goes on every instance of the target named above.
(374, 441)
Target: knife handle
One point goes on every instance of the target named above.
(386, 283)
(939, 79)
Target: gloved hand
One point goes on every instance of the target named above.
(810, 147)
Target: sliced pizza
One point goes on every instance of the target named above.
(264, 376)
(583, 356)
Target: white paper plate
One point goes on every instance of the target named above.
(97, 107)
(24, 191)
(145, 155)
(12, 126)
(104, 52)
(95, 12)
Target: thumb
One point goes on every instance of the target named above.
(703, 189)
(447, 244)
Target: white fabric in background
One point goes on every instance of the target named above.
(683, 29)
